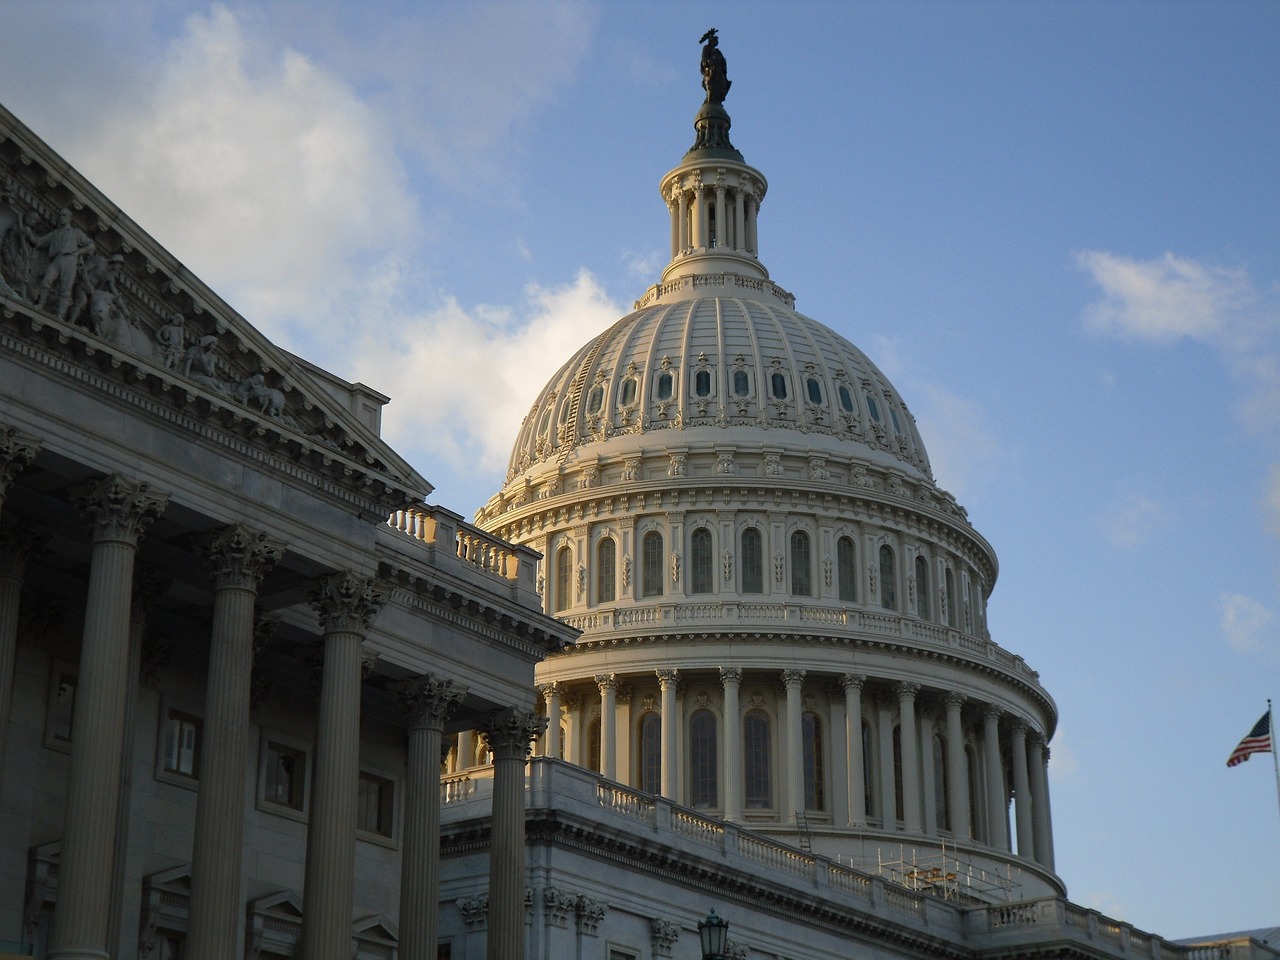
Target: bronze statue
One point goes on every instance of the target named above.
(714, 70)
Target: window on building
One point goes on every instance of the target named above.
(752, 561)
(374, 810)
(801, 565)
(888, 579)
(814, 389)
(741, 383)
(665, 386)
(596, 400)
(701, 561)
(593, 746)
(651, 752)
(940, 781)
(971, 608)
(814, 774)
(444, 951)
(952, 599)
(872, 408)
(703, 760)
(702, 383)
(562, 589)
(651, 565)
(846, 398)
(757, 771)
(922, 586)
(628, 395)
(899, 807)
(284, 771)
(711, 225)
(606, 570)
(778, 384)
(846, 570)
(180, 745)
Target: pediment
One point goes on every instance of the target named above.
(375, 929)
(283, 905)
(88, 292)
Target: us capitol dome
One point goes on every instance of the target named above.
(783, 615)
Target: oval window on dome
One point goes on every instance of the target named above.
(871, 406)
(702, 383)
(814, 389)
(846, 399)
(665, 382)
(545, 423)
(596, 400)
(741, 383)
(893, 415)
(628, 395)
(778, 383)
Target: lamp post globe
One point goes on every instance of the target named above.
(714, 934)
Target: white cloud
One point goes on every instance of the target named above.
(463, 379)
(1244, 621)
(1064, 765)
(1106, 902)
(1129, 519)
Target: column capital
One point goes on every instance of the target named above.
(119, 508)
(17, 546)
(549, 690)
(853, 681)
(509, 733)
(793, 678)
(240, 556)
(17, 451)
(1018, 726)
(606, 682)
(1036, 738)
(427, 701)
(992, 711)
(953, 698)
(906, 691)
(667, 677)
(347, 602)
(731, 676)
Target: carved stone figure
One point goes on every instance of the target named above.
(171, 341)
(254, 392)
(65, 244)
(16, 259)
(94, 273)
(200, 363)
(714, 69)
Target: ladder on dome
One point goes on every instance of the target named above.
(802, 828)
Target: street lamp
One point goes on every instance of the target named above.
(714, 934)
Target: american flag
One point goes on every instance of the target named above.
(1257, 740)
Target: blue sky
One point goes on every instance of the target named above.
(1053, 225)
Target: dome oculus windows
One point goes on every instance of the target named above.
(666, 384)
(846, 398)
(741, 383)
(628, 394)
(814, 390)
(596, 400)
(702, 383)
(778, 384)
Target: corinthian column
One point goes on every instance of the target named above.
(667, 681)
(17, 450)
(608, 684)
(508, 734)
(909, 736)
(1040, 799)
(120, 511)
(794, 682)
(731, 679)
(1021, 790)
(853, 684)
(16, 548)
(957, 774)
(240, 557)
(346, 604)
(551, 739)
(427, 702)
(997, 804)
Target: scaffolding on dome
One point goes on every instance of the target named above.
(949, 877)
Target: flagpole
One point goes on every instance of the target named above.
(1275, 749)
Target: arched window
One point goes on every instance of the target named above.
(703, 761)
(940, 781)
(801, 576)
(814, 774)
(888, 579)
(968, 605)
(952, 599)
(563, 587)
(869, 792)
(756, 764)
(701, 561)
(846, 572)
(651, 565)
(606, 570)
(872, 408)
(922, 587)
(650, 752)
(593, 746)
(752, 561)
(702, 383)
(899, 807)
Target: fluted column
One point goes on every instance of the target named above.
(853, 684)
(793, 680)
(551, 737)
(608, 684)
(997, 810)
(508, 733)
(427, 702)
(739, 221)
(120, 511)
(1039, 759)
(668, 680)
(957, 775)
(683, 243)
(1021, 790)
(721, 229)
(16, 548)
(346, 605)
(753, 210)
(240, 558)
(910, 739)
(731, 680)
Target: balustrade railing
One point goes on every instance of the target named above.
(628, 803)
(775, 855)
(697, 828)
(469, 545)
